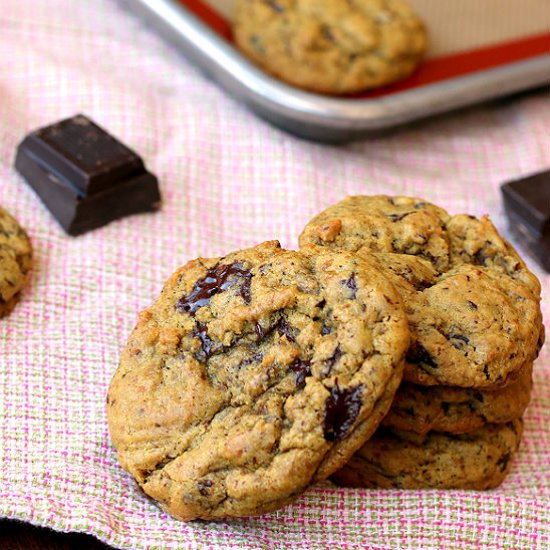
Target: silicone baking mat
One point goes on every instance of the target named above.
(466, 36)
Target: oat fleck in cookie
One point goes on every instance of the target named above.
(331, 46)
(15, 261)
(254, 375)
(472, 304)
(398, 459)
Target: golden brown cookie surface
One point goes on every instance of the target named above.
(252, 366)
(472, 304)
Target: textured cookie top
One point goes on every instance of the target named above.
(472, 304)
(15, 260)
(331, 46)
(378, 223)
(421, 409)
(253, 375)
(399, 459)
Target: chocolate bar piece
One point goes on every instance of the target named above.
(85, 176)
(529, 199)
(538, 247)
(527, 205)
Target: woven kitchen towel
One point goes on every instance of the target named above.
(228, 181)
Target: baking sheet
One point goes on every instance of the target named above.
(479, 51)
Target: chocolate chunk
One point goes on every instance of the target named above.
(201, 332)
(398, 217)
(204, 485)
(479, 396)
(218, 279)
(481, 258)
(529, 199)
(245, 286)
(302, 370)
(502, 462)
(458, 340)
(352, 285)
(331, 361)
(341, 409)
(281, 326)
(284, 329)
(418, 354)
(84, 176)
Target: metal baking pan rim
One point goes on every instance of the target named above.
(323, 117)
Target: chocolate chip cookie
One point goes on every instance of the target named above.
(422, 409)
(405, 460)
(472, 304)
(254, 375)
(331, 46)
(15, 261)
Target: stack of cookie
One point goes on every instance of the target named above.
(259, 373)
(476, 327)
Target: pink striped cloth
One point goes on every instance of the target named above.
(228, 181)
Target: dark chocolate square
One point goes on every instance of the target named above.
(85, 176)
(529, 199)
(77, 214)
(536, 246)
(81, 153)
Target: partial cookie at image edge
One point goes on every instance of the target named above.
(15, 261)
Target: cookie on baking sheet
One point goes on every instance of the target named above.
(397, 459)
(331, 46)
(422, 409)
(15, 261)
(254, 375)
(472, 304)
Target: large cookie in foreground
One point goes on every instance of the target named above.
(422, 409)
(404, 460)
(331, 46)
(254, 375)
(472, 304)
(15, 261)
